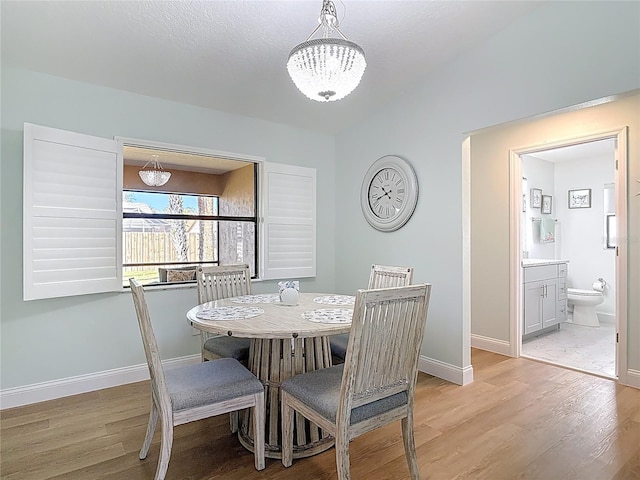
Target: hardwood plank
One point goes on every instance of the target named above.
(630, 470)
(55, 461)
(518, 419)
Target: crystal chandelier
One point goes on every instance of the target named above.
(326, 69)
(152, 173)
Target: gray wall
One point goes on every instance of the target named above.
(580, 51)
(59, 338)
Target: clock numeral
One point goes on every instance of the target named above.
(383, 210)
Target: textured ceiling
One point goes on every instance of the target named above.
(231, 55)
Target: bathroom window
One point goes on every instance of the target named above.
(611, 231)
(610, 225)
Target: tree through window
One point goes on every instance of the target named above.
(199, 217)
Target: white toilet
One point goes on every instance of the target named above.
(584, 303)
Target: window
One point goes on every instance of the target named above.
(612, 228)
(205, 215)
(75, 186)
(610, 224)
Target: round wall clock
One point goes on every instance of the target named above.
(389, 193)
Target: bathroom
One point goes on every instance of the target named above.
(568, 215)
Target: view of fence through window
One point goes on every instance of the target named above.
(166, 235)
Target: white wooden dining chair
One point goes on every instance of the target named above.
(381, 276)
(376, 383)
(194, 392)
(215, 283)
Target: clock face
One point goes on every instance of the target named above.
(389, 193)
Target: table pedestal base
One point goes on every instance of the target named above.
(273, 361)
(275, 452)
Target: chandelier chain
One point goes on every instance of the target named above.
(328, 21)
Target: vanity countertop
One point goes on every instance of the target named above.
(532, 262)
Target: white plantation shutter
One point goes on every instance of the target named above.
(72, 213)
(289, 221)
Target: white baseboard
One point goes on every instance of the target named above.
(40, 392)
(446, 371)
(606, 317)
(633, 378)
(491, 344)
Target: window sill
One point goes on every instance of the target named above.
(174, 286)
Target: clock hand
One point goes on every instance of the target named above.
(386, 193)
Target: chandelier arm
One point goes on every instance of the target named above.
(341, 34)
(335, 28)
(314, 32)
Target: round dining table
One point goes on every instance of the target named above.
(286, 340)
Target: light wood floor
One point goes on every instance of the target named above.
(519, 419)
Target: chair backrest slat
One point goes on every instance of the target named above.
(385, 276)
(154, 362)
(223, 281)
(386, 334)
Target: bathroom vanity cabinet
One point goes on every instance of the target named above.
(544, 294)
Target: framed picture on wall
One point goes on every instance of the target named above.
(536, 198)
(580, 198)
(546, 203)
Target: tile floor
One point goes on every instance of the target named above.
(589, 349)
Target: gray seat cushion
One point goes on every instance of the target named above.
(229, 347)
(339, 345)
(320, 390)
(210, 382)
